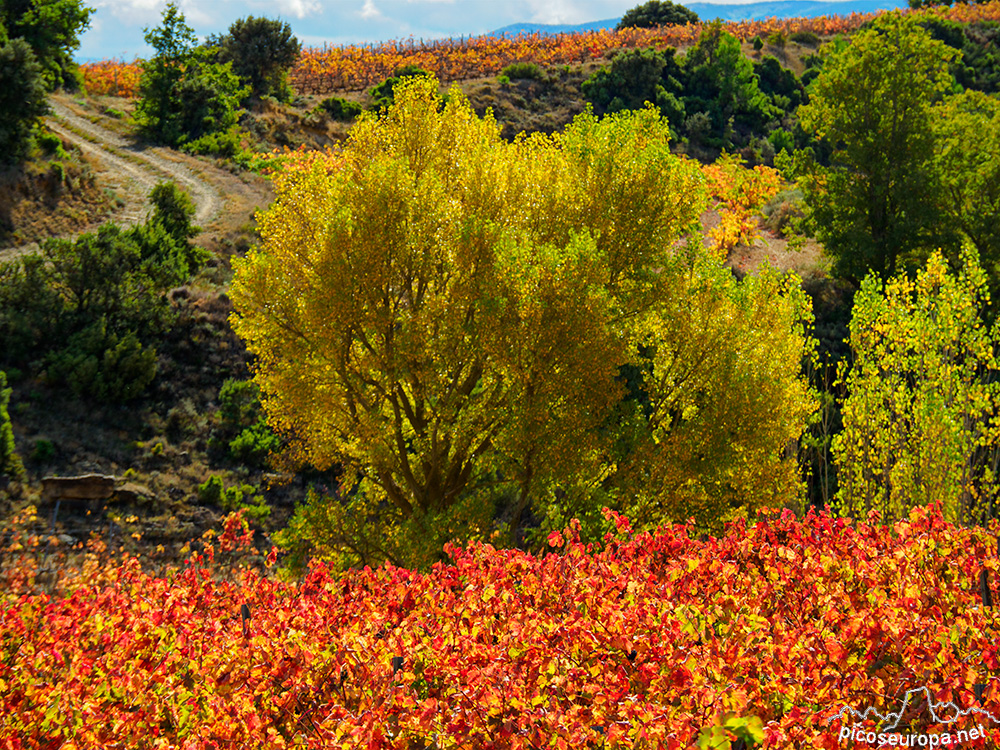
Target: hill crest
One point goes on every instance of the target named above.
(725, 12)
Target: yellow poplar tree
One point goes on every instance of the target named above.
(920, 420)
(447, 315)
(435, 310)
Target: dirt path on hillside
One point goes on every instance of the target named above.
(222, 200)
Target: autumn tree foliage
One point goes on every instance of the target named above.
(450, 318)
(921, 421)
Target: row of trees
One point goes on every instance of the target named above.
(905, 199)
(190, 91)
(714, 96)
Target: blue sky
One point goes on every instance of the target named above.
(116, 27)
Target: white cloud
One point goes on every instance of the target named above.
(369, 12)
(285, 8)
(556, 11)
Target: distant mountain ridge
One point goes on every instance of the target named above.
(710, 11)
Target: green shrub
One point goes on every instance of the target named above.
(214, 492)
(782, 140)
(244, 434)
(90, 309)
(173, 209)
(340, 109)
(382, 94)
(634, 77)
(43, 452)
(104, 366)
(211, 490)
(523, 70)
(254, 445)
(239, 403)
(225, 145)
(780, 83)
(58, 171)
(758, 44)
(806, 38)
(503, 80)
(261, 51)
(51, 145)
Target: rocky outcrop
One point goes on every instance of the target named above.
(84, 487)
(131, 493)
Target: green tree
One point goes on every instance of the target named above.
(52, 29)
(183, 93)
(872, 104)
(22, 99)
(174, 42)
(261, 51)
(722, 85)
(446, 315)
(638, 76)
(174, 210)
(780, 83)
(921, 417)
(657, 13)
(10, 462)
(966, 132)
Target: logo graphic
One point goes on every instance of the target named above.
(942, 712)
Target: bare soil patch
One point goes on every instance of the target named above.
(43, 198)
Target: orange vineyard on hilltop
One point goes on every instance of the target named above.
(357, 67)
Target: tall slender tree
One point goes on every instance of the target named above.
(879, 198)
